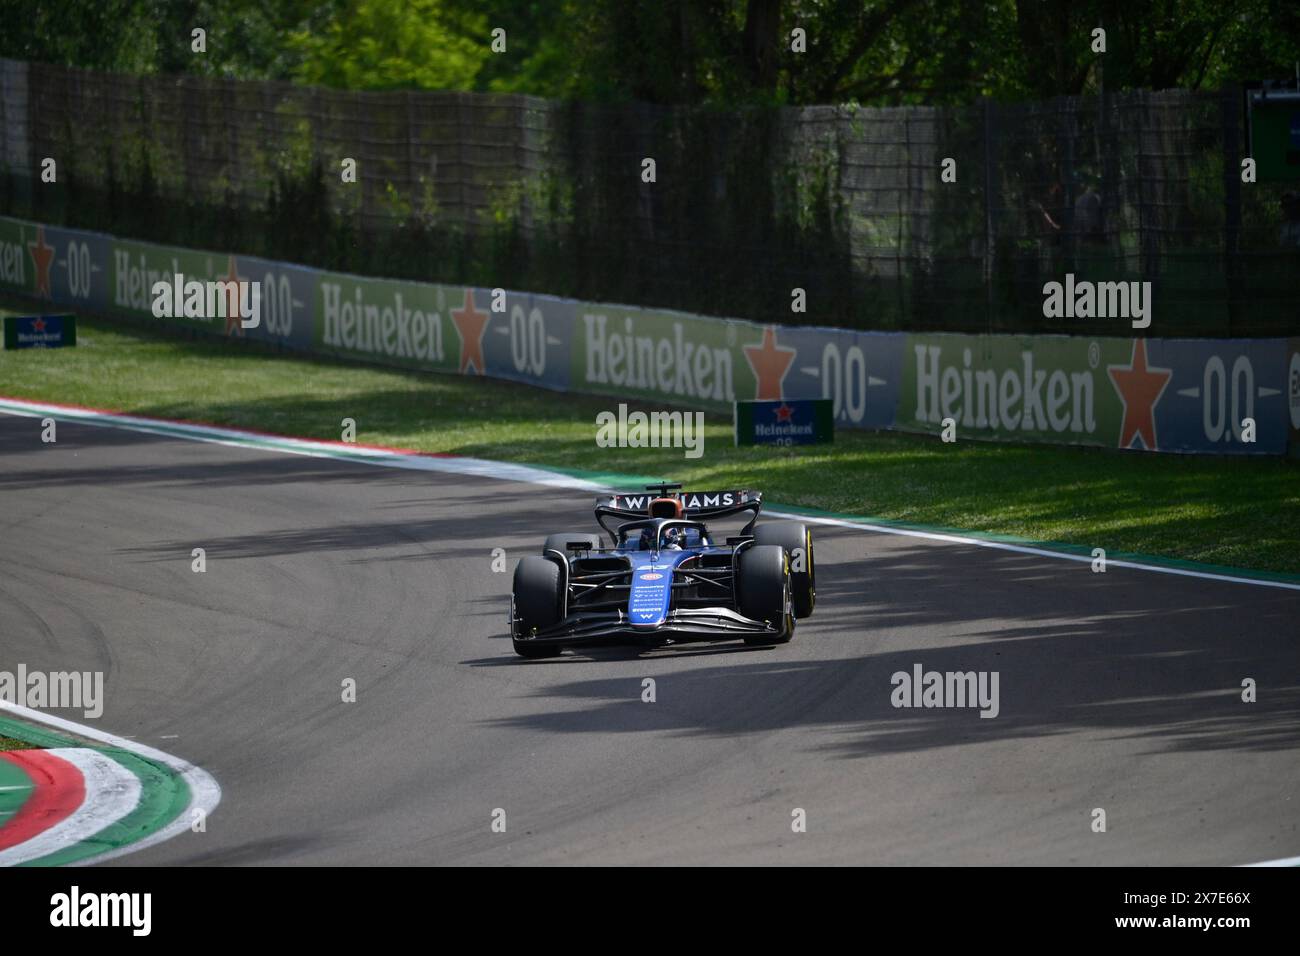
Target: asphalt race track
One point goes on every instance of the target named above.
(1117, 690)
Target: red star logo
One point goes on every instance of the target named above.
(1139, 388)
(470, 325)
(38, 325)
(783, 412)
(770, 362)
(233, 301)
(42, 256)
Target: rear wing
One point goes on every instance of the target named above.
(696, 505)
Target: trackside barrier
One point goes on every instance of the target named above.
(1221, 396)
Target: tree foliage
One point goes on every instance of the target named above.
(381, 44)
(721, 52)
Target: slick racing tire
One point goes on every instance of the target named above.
(537, 603)
(763, 585)
(796, 539)
(560, 542)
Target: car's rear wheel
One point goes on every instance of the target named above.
(538, 599)
(560, 542)
(763, 591)
(796, 539)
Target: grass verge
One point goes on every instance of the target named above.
(1235, 512)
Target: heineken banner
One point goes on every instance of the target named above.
(285, 292)
(1189, 395)
(710, 363)
(1222, 396)
(439, 328)
(792, 421)
(39, 331)
(64, 266)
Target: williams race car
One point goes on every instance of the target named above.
(665, 578)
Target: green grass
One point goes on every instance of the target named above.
(1234, 512)
(9, 743)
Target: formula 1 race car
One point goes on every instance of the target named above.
(665, 579)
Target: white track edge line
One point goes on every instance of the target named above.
(1289, 861)
(486, 468)
(866, 525)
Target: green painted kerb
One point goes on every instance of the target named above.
(164, 795)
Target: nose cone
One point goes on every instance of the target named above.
(647, 605)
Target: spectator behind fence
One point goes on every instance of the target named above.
(1046, 216)
(1088, 222)
(1289, 235)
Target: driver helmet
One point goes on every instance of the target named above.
(666, 508)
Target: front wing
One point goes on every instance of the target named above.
(681, 625)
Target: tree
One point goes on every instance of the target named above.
(106, 35)
(392, 44)
(717, 52)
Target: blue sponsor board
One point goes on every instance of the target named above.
(39, 331)
(860, 372)
(789, 421)
(62, 266)
(287, 301)
(528, 339)
(76, 273)
(1224, 396)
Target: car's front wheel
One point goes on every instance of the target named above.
(538, 599)
(763, 591)
(795, 537)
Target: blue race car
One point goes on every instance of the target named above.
(665, 579)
